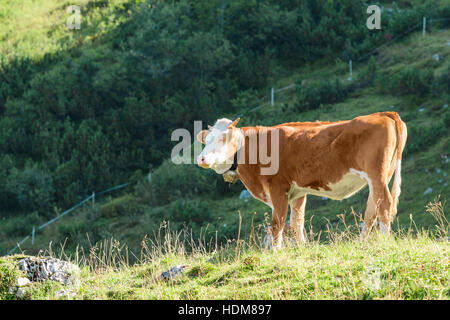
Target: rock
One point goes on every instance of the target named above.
(437, 56)
(428, 191)
(172, 273)
(245, 195)
(445, 106)
(421, 110)
(20, 293)
(62, 293)
(22, 282)
(41, 269)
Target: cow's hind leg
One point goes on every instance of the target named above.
(370, 217)
(380, 204)
(383, 205)
(298, 219)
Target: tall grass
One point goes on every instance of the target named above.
(409, 264)
(110, 253)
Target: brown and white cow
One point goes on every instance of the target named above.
(327, 159)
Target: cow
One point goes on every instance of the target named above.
(327, 159)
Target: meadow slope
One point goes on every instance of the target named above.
(185, 215)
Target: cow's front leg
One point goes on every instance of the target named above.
(279, 212)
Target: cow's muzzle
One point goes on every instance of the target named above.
(202, 162)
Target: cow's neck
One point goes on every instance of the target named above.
(232, 175)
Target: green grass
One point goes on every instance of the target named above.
(402, 266)
(31, 28)
(409, 264)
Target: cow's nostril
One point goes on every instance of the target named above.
(202, 162)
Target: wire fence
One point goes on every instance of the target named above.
(273, 91)
(79, 204)
(268, 102)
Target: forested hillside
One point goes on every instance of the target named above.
(85, 109)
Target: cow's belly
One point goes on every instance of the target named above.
(350, 184)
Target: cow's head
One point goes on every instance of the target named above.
(221, 144)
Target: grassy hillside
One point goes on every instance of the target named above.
(400, 267)
(78, 115)
(425, 170)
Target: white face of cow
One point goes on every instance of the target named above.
(221, 143)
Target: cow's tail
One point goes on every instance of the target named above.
(401, 141)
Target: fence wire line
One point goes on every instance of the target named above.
(65, 213)
(371, 52)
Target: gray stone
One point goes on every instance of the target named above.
(62, 293)
(245, 195)
(22, 282)
(172, 273)
(20, 293)
(428, 191)
(437, 56)
(41, 269)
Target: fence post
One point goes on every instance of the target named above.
(424, 26)
(272, 96)
(350, 69)
(32, 235)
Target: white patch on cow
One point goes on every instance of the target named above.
(364, 175)
(350, 184)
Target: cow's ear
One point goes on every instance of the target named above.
(235, 122)
(202, 135)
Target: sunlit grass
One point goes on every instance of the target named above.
(409, 264)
